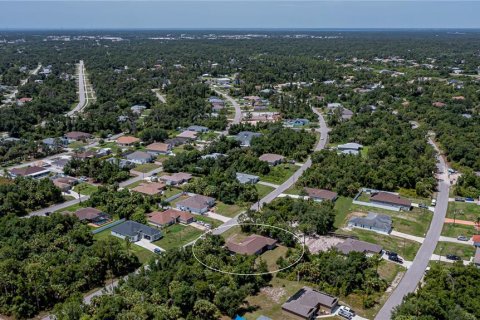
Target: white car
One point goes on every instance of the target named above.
(346, 312)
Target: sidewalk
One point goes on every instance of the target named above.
(407, 236)
(436, 257)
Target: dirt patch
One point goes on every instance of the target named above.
(320, 243)
(274, 294)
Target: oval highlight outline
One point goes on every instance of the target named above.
(250, 274)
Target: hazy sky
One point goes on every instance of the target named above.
(82, 14)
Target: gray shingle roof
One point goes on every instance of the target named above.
(305, 302)
(374, 220)
(132, 228)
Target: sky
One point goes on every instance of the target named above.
(203, 14)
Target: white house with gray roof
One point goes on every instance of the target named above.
(245, 178)
(139, 157)
(350, 148)
(380, 223)
(245, 137)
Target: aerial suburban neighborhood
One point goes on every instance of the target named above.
(239, 174)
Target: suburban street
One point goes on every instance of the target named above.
(238, 110)
(66, 204)
(290, 181)
(415, 273)
(13, 95)
(82, 91)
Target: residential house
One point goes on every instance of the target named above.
(197, 204)
(55, 142)
(59, 163)
(135, 231)
(122, 163)
(89, 154)
(217, 107)
(245, 137)
(297, 122)
(380, 223)
(391, 199)
(31, 172)
(353, 245)
(176, 178)
(177, 141)
(169, 217)
(77, 136)
(65, 184)
(308, 303)
(350, 148)
(476, 240)
(334, 105)
(157, 148)
(252, 245)
(150, 189)
(347, 114)
(198, 129)
(321, 194)
(272, 158)
(126, 141)
(92, 215)
(139, 157)
(190, 135)
(138, 108)
(214, 99)
(245, 178)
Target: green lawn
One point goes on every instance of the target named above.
(465, 251)
(171, 191)
(295, 190)
(85, 188)
(177, 235)
(455, 230)
(406, 248)
(135, 184)
(146, 167)
(342, 208)
(178, 149)
(465, 211)
(263, 190)
(143, 254)
(72, 208)
(227, 209)
(271, 257)
(77, 144)
(279, 173)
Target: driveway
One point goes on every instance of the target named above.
(217, 216)
(148, 245)
(268, 184)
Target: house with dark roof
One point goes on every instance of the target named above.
(380, 223)
(55, 142)
(391, 199)
(251, 245)
(77, 136)
(197, 204)
(353, 245)
(92, 215)
(321, 194)
(139, 157)
(135, 231)
(308, 303)
(177, 141)
(31, 172)
(198, 129)
(245, 137)
(272, 159)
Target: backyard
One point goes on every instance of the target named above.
(280, 173)
(271, 257)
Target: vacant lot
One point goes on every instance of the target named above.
(146, 167)
(280, 173)
(455, 230)
(85, 188)
(263, 190)
(464, 211)
(228, 210)
(177, 235)
(464, 251)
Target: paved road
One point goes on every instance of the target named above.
(238, 110)
(12, 95)
(66, 204)
(415, 273)
(82, 91)
(159, 96)
(287, 184)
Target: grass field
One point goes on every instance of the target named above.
(85, 188)
(342, 208)
(170, 191)
(177, 235)
(146, 167)
(72, 208)
(227, 209)
(271, 257)
(280, 173)
(465, 211)
(143, 254)
(455, 230)
(464, 251)
(263, 190)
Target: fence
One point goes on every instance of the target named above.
(108, 226)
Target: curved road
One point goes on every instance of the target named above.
(238, 110)
(287, 184)
(415, 273)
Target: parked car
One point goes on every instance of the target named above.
(459, 199)
(462, 238)
(396, 259)
(346, 312)
(434, 202)
(391, 253)
(469, 199)
(453, 257)
(424, 206)
(157, 251)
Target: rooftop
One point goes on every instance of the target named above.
(321, 194)
(250, 245)
(197, 202)
(390, 198)
(305, 302)
(132, 228)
